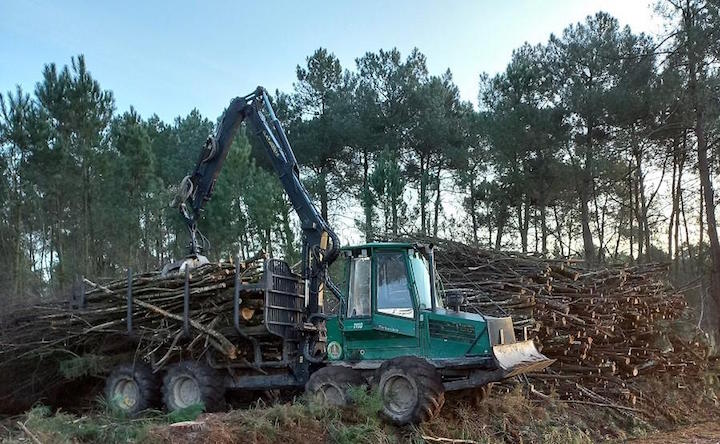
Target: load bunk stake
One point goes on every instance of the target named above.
(129, 303)
(186, 303)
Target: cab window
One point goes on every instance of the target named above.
(358, 304)
(422, 280)
(393, 293)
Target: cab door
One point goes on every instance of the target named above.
(393, 326)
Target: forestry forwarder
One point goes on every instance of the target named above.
(390, 331)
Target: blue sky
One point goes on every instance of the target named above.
(170, 57)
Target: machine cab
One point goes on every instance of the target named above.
(388, 290)
(390, 307)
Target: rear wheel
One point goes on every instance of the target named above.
(132, 388)
(411, 389)
(189, 383)
(331, 385)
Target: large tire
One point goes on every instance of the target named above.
(189, 383)
(132, 388)
(330, 385)
(411, 389)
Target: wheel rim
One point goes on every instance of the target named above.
(126, 393)
(186, 392)
(330, 394)
(399, 394)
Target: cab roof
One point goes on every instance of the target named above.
(379, 245)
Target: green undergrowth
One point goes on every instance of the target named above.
(104, 425)
(86, 365)
(507, 416)
(302, 421)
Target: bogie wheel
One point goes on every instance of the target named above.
(330, 385)
(411, 389)
(190, 383)
(132, 388)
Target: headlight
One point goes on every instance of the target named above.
(334, 350)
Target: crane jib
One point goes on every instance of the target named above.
(320, 243)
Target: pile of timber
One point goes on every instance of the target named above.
(35, 340)
(605, 327)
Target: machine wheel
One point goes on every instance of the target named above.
(189, 383)
(411, 389)
(330, 385)
(132, 388)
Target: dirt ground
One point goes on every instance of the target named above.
(705, 433)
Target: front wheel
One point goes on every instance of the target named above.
(411, 389)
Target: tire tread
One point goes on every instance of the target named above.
(430, 387)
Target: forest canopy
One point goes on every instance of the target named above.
(598, 144)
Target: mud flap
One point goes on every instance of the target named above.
(519, 357)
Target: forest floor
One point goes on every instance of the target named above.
(509, 415)
(704, 433)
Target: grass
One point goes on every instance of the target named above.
(106, 425)
(504, 417)
(301, 421)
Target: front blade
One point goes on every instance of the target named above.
(520, 357)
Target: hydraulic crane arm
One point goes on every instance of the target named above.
(320, 243)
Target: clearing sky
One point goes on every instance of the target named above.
(167, 58)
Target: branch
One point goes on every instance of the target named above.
(227, 347)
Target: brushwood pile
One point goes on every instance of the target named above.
(607, 328)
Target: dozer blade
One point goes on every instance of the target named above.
(520, 357)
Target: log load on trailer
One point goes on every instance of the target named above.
(391, 330)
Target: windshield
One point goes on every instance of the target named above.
(422, 281)
(393, 293)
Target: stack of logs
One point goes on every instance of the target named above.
(35, 339)
(603, 326)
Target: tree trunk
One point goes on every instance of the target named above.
(621, 221)
(502, 220)
(640, 233)
(687, 232)
(694, 64)
(558, 230)
(473, 216)
(588, 245)
(437, 199)
(709, 197)
(268, 242)
(523, 225)
(543, 228)
(394, 208)
(631, 209)
(366, 197)
(536, 233)
(674, 207)
(423, 193)
(679, 197)
(323, 195)
(584, 194)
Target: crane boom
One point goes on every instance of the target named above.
(320, 245)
